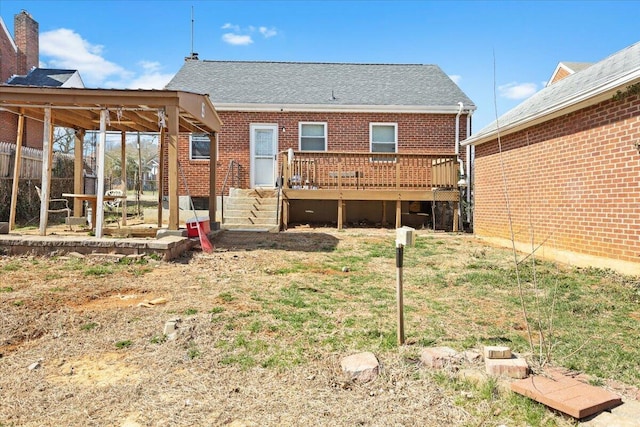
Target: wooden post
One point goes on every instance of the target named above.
(47, 149)
(213, 157)
(173, 121)
(97, 217)
(384, 212)
(161, 160)
(340, 214)
(285, 213)
(78, 170)
(16, 172)
(399, 293)
(398, 213)
(456, 216)
(123, 174)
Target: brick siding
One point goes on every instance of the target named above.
(417, 133)
(574, 179)
(21, 62)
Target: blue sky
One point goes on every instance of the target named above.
(142, 44)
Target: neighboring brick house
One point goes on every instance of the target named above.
(328, 107)
(570, 162)
(19, 57)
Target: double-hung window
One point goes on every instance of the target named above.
(383, 139)
(313, 136)
(199, 146)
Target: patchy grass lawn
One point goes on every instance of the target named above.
(266, 319)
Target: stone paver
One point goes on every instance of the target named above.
(625, 415)
(566, 394)
(497, 352)
(513, 368)
(438, 357)
(361, 366)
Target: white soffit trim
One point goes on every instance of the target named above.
(323, 108)
(575, 103)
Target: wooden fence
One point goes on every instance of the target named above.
(31, 165)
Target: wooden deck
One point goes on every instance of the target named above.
(383, 177)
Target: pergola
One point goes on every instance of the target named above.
(165, 111)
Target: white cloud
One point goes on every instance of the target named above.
(456, 78)
(268, 32)
(229, 26)
(516, 90)
(237, 39)
(66, 49)
(151, 77)
(243, 36)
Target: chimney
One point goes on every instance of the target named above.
(26, 31)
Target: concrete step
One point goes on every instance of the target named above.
(249, 220)
(251, 209)
(249, 227)
(230, 213)
(250, 204)
(253, 192)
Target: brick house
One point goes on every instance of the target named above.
(19, 60)
(323, 113)
(570, 160)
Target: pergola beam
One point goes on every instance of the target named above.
(113, 110)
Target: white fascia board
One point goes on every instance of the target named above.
(575, 103)
(6, 31)
(323, 108)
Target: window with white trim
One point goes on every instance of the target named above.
(313, 136)
(199, 146)
(383, 137)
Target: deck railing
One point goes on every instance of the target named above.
(360, 171)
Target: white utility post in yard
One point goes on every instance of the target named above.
(405, 236)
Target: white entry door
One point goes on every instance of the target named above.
(264, 149)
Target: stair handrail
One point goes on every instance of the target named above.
(235, 180)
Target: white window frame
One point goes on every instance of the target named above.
(395, 136)
(202, 158)
(395, 147)
(326, 139)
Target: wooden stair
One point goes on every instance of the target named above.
(251, 210)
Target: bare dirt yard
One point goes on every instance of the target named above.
(263, 323)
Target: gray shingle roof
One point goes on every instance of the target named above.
(576, 66)
(43, 77)
(616, 71)
(325, 84)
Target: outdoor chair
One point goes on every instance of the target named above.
(113, 204)
(58, 202)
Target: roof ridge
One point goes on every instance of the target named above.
(308, 63)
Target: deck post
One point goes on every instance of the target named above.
(16, 171)
(398, 213)
(384, 212)
(47, 149)
(456, 216)
(340, 211)
(123, 173)
(78, 170)
(285, 214)
(174, 212)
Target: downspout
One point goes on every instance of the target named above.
(460, 162)
(462, 182)
(470, 150)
